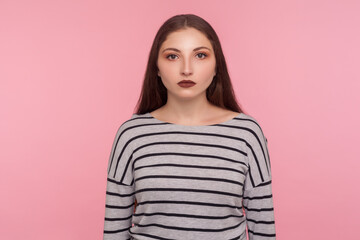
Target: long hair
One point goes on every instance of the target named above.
(154, 94)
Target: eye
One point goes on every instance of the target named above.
(173, 56)
(205, 55)
(170, 55)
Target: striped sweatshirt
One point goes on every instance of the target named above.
(207, 182)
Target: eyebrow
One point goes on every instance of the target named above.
(177, 50)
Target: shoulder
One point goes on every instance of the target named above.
(251, 128)
(248, 121)
(132, 120)
(129, 125)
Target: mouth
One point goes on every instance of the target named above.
(186, 83)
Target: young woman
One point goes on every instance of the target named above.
(189, 164)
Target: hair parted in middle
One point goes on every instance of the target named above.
(154, 94)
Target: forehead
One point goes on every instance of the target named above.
(186, 39)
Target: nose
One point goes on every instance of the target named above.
(187, 67)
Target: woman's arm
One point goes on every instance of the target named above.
(120, 199)
(257, 194)
(118, 210)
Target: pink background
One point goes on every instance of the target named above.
(71, 73)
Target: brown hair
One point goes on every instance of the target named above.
(154, 93)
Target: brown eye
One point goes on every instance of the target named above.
(170, 55)
(205, 55)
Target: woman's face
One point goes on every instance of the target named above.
(186, 55)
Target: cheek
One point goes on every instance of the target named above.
(166, 69)
(168, 75)
(207, 70)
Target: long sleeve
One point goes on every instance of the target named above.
(119, 205)
(257, 194)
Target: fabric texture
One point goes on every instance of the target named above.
(206, 182)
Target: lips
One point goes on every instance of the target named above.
(186, 81)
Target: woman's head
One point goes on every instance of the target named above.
(186, 54)
(212, 72)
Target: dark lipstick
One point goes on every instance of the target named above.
(186, 83)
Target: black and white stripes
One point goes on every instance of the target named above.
(190, 182)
